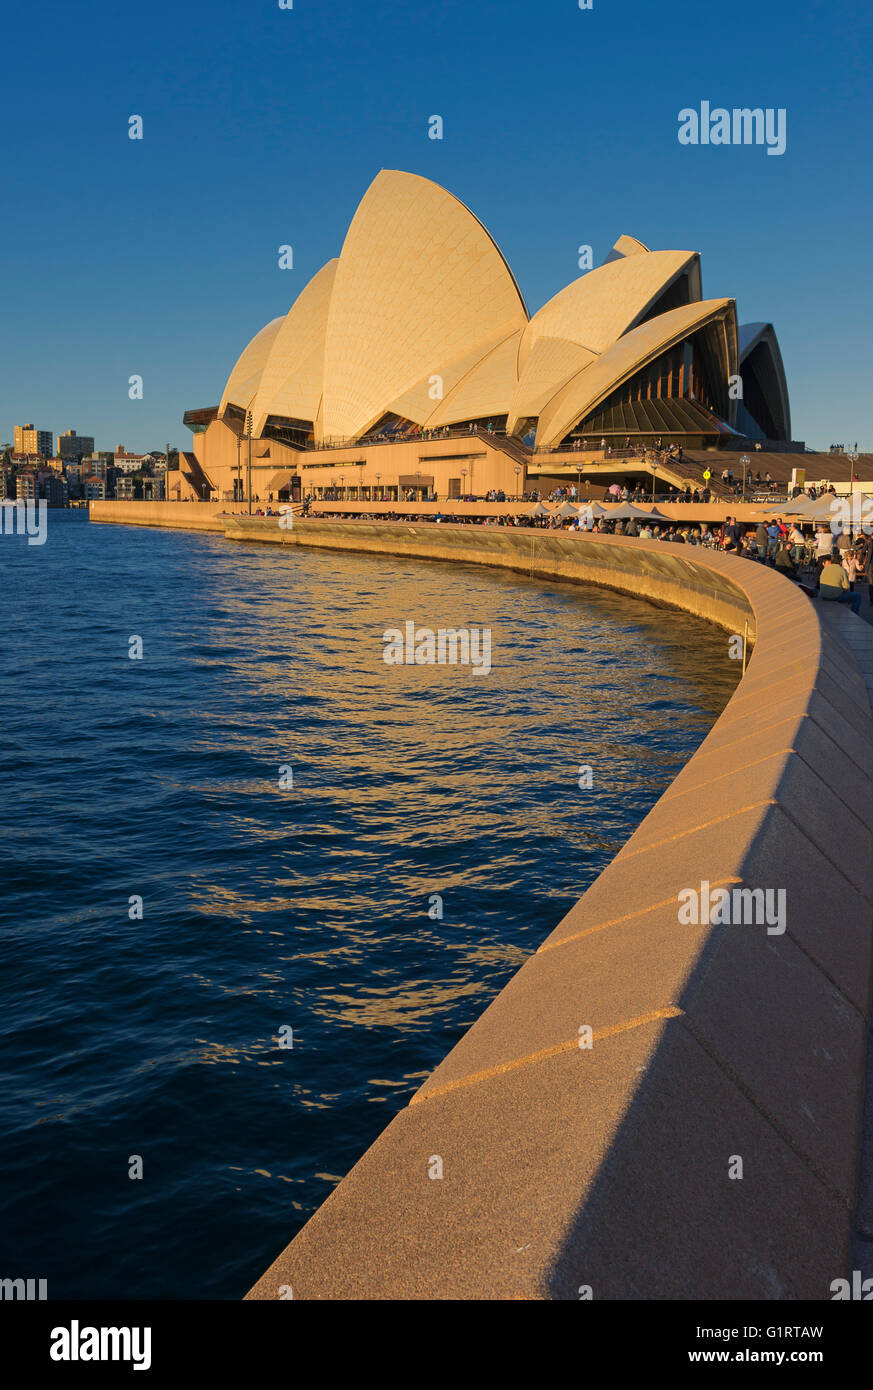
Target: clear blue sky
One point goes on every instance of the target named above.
(264, 126)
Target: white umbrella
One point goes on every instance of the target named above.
(799, 506)
(828, 508)
(628, 511)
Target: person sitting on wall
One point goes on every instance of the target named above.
(783, 561)
(834, 586)
(749, 548)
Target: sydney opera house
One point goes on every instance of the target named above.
(410, 367)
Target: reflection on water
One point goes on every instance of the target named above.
(267, 907)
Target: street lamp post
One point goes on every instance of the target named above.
(517, 471)
(579, 471)
(418, 483)
(463, 482)
(249, 433)
(378, 489)
(745, 461)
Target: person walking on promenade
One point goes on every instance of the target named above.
(864, 553)
(850, 565)
(834, 586)
(797, 543)
(824, 542)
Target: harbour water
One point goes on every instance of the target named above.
(153, 1033)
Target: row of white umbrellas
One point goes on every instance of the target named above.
(852, 514)
(627, 511)
(827, 507)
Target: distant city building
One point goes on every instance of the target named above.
(53, 488)
(95, 489)
(29, 440)
(25, 486)
(127, 487)
(97, 465)
(73, 474)
(153, 489)
(130, 463)
(75, 446)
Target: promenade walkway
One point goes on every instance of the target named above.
(855, 634)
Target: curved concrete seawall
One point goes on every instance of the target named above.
(661, 573)
(706, 1144)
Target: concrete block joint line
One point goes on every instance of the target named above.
(714, 1046)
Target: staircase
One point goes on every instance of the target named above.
(195, 477)
(684, 474)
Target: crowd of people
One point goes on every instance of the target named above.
(833, 566)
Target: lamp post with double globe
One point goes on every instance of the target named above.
(852, 456)
(745, 461)
(249, 436)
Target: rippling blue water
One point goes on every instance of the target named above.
(266, 907)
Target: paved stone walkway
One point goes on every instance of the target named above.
(857, 634)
